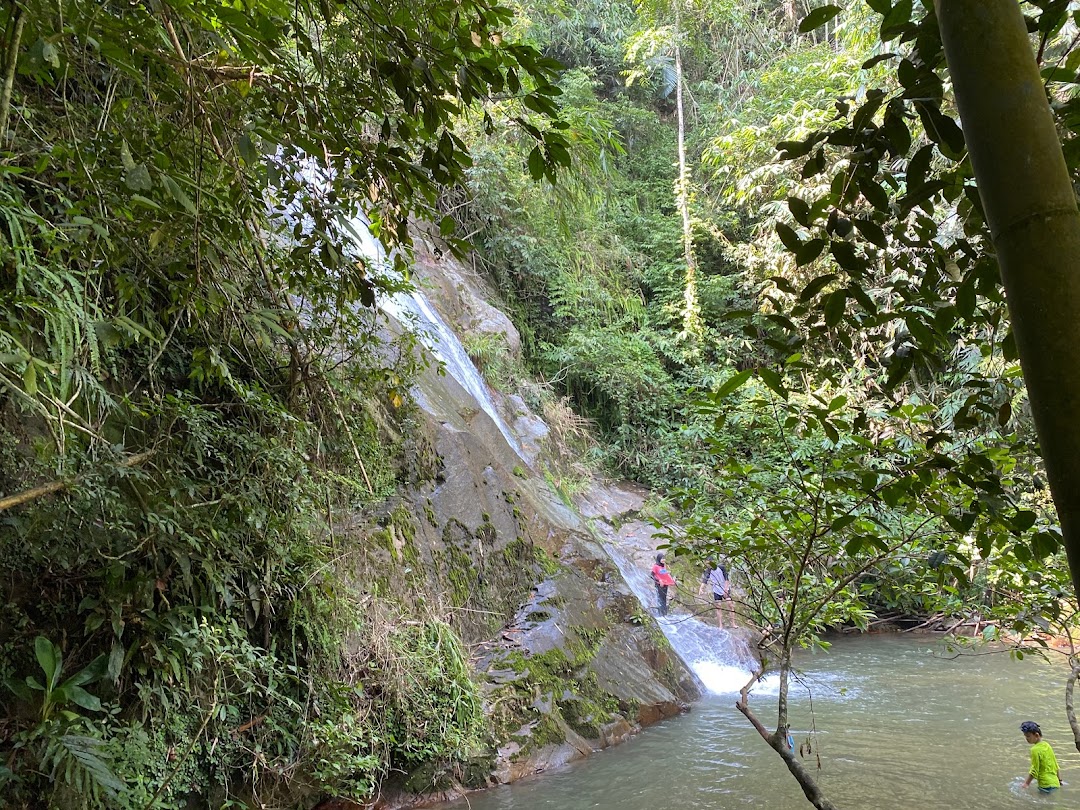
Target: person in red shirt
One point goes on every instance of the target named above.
(662, 579)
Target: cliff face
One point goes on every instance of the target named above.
(568, 660)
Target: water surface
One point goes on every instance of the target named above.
(897, 726)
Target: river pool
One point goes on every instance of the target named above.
(898, 725)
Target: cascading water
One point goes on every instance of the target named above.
(412, 311)
(412, 308)
(720, 658)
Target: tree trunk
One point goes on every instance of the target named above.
(1070, 709)
(691, 313)
(1031, 211)
(778, 739)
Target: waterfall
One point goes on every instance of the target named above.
(411, 309)
(413, 312)
(721, 659)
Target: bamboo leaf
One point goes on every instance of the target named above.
(818, 17)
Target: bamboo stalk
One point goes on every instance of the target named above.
(1030, 205)
(11, 60)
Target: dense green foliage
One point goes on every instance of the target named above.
(193, 370)
(195, 374)
(847, 266)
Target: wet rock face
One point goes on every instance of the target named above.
(577, 670)
(462, 298)
(566, 666)
(568, 661)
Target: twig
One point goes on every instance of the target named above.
(352, 441)
(935, 618)
(28, 495)
(884, 619)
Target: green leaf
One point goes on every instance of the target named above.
(818, 17)
(146, 201)
(799, 210)
(835, 306)
(1043, 544)
(86, 751)
(81, 697)
(137, 178)
(895, 20)
(49, 659)
(783, 284)
(789, 150)
(30, 378)
(773, 380)
(865, 301)
(732, 384)
(871, 232)
(814, 166)
(788, 237)
(809, 251)
(1008, 347)
(965, 299)
(1023, 520)
(854, 263)
(536, 163)
(179, 194)
(962, 522)
(874, 194)
(842, 523)
(896, 130)
(816, 286)
(941, 129)
(1004, 413)
(874, 60)
(830, 430)
(1058, 74)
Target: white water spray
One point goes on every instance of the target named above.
(409, 308)
(413, 312)
(720, 658)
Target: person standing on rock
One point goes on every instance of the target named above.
(662, 579)
(716, 579)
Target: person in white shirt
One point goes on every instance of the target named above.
(715, 579)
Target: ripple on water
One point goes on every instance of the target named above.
(925, 732)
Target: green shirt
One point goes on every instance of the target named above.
(1044, 765)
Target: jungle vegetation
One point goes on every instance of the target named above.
(743, 240)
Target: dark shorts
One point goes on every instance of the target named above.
(720, 597)
(1047, 789)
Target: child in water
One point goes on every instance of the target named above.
(1044, 767)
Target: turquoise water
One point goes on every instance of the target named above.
(898, 725)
